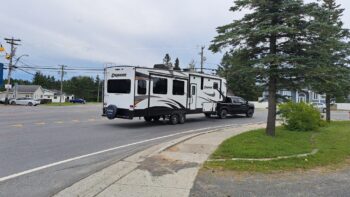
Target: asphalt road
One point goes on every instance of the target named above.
(33, 138)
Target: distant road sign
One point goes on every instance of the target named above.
(1, 74)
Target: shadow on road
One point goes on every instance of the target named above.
(137, 124)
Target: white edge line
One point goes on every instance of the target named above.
(2, 179)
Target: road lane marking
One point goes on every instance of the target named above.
(17, 125)
(75, 120)
(59, 122)
(204, 130)
(40, 123)
(91, 120)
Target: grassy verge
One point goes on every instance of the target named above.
(333, 142)
(61, 104)
(71, 104)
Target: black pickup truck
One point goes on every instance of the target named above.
(233, 105)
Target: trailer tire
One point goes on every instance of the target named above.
(174, 119)
(147, 119)
(155, 118)
(208, 115)
(223, 113)
(182, 118)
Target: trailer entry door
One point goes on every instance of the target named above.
(193, 100)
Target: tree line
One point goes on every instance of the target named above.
(81, 86)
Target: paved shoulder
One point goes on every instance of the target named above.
(318, 182)
(168, 169)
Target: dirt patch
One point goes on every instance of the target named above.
(160, 165)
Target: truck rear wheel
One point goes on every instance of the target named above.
(208, 115)
(223, 113)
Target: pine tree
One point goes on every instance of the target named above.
(272, 41)
(239, 81)
(331, 53)
(167, 61)
(177, 64)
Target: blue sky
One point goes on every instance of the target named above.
(89, 33)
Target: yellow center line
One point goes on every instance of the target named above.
(59, 122)
(17, 125)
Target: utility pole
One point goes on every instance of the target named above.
(98, 88)
(62, 75)
(202, 57)
(13, 43)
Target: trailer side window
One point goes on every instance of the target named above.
(178, 87)
(119, 86)
(141, 87)
(216, 86)
(160, 85)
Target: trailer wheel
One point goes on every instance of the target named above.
(174, 119)
(155, 118)
(223, 114)
(147, 118)
(182, 118)
(249, 113)
(208, 115)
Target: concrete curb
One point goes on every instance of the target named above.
(160, 170)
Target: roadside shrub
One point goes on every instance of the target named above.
(300, 116)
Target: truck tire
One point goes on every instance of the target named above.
(30, 104)
(208, 115)
(182, 118)
(13, 103)
(223, 114)
(250, 113)
(174, 119)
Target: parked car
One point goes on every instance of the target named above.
(320, 106)
(78, 100)
(24, 101)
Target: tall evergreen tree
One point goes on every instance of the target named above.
(177, 64)
(331, 53)
(240, 82)
(271, 39)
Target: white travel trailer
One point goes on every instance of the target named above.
(154, 93)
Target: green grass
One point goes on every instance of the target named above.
(71, 104)
(61, 104)
(333, 142)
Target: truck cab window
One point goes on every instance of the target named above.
(141, 87)
(160, 85)
(121, 86)
(178, 87)
(216, 86)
